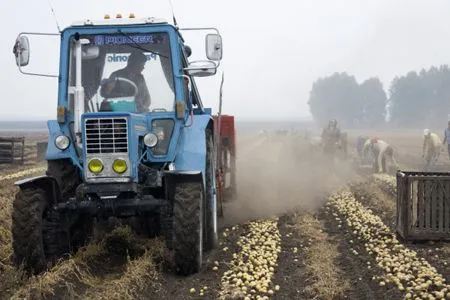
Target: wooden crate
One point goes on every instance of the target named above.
(12, 150)
(423, 205)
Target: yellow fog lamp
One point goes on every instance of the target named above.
(95, 165)
(119, 166)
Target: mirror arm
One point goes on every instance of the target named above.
(37, 74)
(37, 33)
(200, 29)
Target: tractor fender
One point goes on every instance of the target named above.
(174, 177)
(177, 176)
(191, 151)
(49, 183)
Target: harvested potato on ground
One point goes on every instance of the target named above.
(253, 267)
(401, 265)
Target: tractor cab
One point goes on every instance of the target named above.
(125, 90)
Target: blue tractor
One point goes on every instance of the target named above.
(131, 140)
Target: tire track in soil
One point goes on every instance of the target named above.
(178, 287)
(356, 267)
(291, 274)
(296, 282)
(299, 190)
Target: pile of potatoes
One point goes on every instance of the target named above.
(252, 268)
(386, 182)
(401, 267)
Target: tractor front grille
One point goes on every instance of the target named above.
(106, 135)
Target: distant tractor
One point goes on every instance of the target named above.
(132, 140)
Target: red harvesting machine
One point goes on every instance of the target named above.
(225, 136)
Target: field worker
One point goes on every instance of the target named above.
(382, 151)
(360, 142)
(447, 138)
(431, 147)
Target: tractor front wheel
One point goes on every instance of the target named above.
(68, 177)
(39, 236)
(187, 227)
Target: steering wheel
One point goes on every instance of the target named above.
(118, 87)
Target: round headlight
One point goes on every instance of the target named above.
(62, 142)
(119, 166)
(95, 165)
(150, 140)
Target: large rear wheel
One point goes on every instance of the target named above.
(187, 227)
(210, 230)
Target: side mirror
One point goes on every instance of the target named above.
(214, 47)
(201, 68)
(21, 51)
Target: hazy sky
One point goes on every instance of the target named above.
(273, 50)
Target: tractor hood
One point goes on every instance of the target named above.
(114, 144)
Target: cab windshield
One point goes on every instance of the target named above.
(125, 72)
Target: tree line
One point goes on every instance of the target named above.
(415, 100)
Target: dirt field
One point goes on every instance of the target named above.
(300, 228)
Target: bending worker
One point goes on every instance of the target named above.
(382, 151)
(431, 147)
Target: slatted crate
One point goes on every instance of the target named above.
(423, 205)
(12, 150)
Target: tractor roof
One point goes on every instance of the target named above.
(120, 21)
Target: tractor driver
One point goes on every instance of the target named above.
(133, 71)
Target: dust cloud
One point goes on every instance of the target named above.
(279, 174)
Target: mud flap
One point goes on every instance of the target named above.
(49, 183)
(176, 176)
